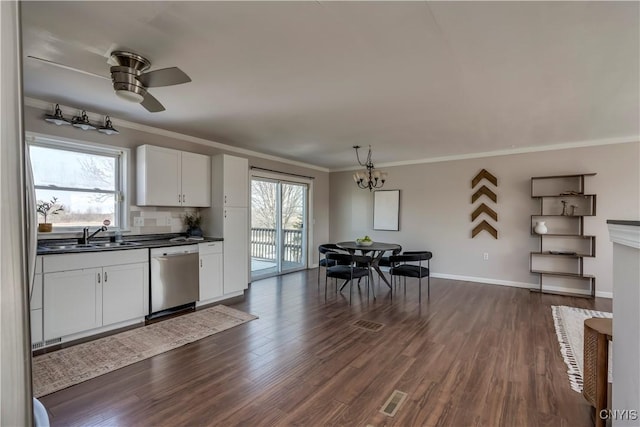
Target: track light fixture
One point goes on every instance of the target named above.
(81, 122)
(108, 129)
(56, 118)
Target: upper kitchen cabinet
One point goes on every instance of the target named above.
(167, 177)
(231, 181)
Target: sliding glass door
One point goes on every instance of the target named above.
(278, 226)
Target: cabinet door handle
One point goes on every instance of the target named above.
(178, 198)
(99, 277)
(183, 198)
(225, 213)
(200, 263)
(225, 198)
(105, 277)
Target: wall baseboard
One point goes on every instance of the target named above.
(511, 283)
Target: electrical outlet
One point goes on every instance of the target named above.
(485, 256)
(138, 221)
(167, 221)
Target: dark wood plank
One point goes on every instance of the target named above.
(472, 354)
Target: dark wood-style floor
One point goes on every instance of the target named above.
(471, 355)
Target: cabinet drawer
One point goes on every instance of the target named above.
(210, 248)
(78, 261)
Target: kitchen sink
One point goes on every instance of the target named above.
(70, 246)
(115, 244)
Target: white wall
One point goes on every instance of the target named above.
(435, 210)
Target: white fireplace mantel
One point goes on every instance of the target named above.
(625, 236)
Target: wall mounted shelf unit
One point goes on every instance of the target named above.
(563, 206)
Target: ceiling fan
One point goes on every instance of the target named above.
(130, 78)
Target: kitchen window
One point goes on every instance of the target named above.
(87, 180)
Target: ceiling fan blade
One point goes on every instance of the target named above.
(67, 67)
(151, 104)
(164, 77)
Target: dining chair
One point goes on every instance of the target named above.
(404, 266)
(384, 261)
(348, 267)
(322, 259)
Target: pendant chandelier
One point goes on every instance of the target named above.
(370, 178)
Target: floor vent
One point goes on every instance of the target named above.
(368, 325)
(393, 403)
(37, 345)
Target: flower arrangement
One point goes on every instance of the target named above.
(193, 220)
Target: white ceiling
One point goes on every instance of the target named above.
(308, 80)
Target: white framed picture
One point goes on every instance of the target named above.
(386, 210)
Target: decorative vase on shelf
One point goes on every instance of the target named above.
(540, 228)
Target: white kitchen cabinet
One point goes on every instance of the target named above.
(72, 302)
(36, 310)
(196, 180)
(88, 291)
(167, 177)
(231, 181)
(36, 328)
(229, 218)
(211, 270)
(236, 249)
(35, 301)
(125, 292)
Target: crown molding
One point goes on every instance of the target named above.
(99, 118)
(506, 152)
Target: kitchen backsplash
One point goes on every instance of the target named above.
(154, 220)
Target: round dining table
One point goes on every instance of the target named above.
(378, 249)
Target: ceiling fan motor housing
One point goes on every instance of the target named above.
(124, 75)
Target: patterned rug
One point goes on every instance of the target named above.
(569, 323)
(64, 368)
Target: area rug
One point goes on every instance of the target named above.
(569, 323)
(64, 368)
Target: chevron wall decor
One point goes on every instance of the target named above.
(482, 208)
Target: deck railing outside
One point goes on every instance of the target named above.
(263, 244)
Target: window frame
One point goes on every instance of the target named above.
(121, 155)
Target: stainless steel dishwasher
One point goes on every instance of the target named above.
(174, 277)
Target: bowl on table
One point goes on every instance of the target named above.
(361, 242)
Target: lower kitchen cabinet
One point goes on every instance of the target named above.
(124, 292)
(72, 302)
(113, 288)
(236, 249)
(211, 268)
(36, 327)
(35, 301)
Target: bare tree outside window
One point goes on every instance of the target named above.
(99, 172)
(264, 205)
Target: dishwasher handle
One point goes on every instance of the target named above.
(167, 256)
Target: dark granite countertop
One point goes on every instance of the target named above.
(144, 241)
(623, 222)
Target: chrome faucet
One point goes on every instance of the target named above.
(86, 236)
